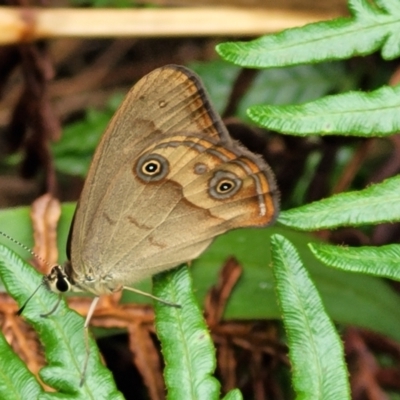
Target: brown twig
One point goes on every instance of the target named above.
(28, 24)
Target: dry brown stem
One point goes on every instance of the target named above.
(28, 24)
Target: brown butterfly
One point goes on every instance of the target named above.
(165, 180)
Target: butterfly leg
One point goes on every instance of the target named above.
(54, 308)
(86, 328)
(168, 303)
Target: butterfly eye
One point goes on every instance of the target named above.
(152, 167)
(223, 185)
(63, 285)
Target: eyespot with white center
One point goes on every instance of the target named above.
(223, 185)
(151, 168)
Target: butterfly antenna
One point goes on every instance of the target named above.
(30, 251)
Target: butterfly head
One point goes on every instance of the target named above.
(58, 280)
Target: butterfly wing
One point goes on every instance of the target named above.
(132, 222)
